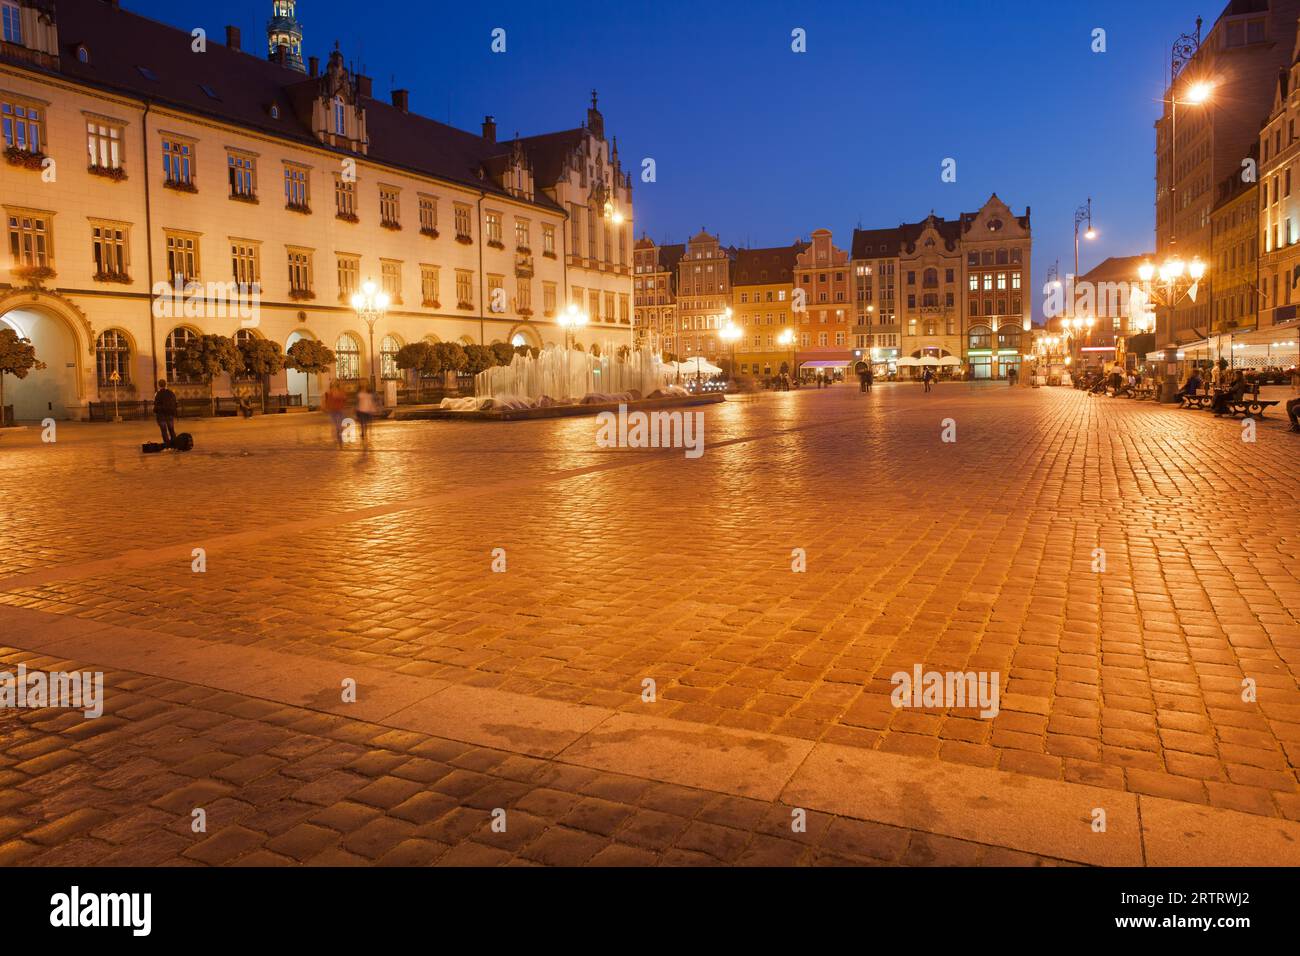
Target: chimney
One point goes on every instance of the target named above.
(282, 55)
(313, 65)
(232, 37)
(402, 100)
(490, 129)
(364, 85)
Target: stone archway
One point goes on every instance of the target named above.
(64, 341)
(296, 383)
(527, 332)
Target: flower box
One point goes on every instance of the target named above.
(496, 244)
(120, 277)
(26, 158)
(431, 233)
(464, 240)
(347, 216)
(524, 311)
(431, 304)
(390, 225)
(300, 207)
(549, 255)
(245, 197)
(468, 306)
(179, 186)
(115, 173)
(34, 273)
(523, 250)
(301, 295)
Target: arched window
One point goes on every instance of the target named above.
(244, 335)
(113, 354)
(339, 116)
(930, 278)
(981, 337)
(178, 340)
(388, 357)
(347, 357)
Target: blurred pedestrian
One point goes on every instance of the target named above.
(927, 377)
(334, 403)
(367, 409)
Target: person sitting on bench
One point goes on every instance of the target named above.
(1293, 413)
(1192, 386)
(1233, 393)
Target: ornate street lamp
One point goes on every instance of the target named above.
(787, 338)
(370, 304)
(731, 332)
(1166, 285)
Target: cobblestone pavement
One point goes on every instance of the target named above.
(281, 786)
(626, 564)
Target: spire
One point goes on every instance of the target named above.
(595, 122)
(284, 30)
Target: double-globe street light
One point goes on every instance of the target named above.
(370, 304)
(731, 333)
(787, 338)
(1166, 285)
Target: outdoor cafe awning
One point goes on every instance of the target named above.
(826, 363)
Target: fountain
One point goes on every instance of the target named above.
(559, 376)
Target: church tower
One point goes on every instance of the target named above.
(284, 30)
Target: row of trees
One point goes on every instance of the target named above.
(208, 356)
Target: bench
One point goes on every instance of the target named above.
(1199, 400)
(1252, 407)
(1143, 393)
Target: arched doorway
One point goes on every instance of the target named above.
(54, 391)
(295, 381)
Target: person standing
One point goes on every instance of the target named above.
(333, 403)
(367, 409)
(871, 378)
(165, 409)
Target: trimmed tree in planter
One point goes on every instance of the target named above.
(310, 357)
(449, 356)
(209, 356)
(478, 358)
(504, 351)
(624, 352)
(417, 357)
(17, 358)
(262, 359)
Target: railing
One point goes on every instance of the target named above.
(191, 407)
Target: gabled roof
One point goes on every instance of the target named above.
(670, 255)
(239, 88)
(766, 266)
(1116, 269)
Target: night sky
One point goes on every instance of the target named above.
(762, 144)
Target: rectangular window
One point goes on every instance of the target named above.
(463, 230)
(575, 220)
(548, 238)
(492, 221)
(241, 170)
(548, 298)
(345, 198)
(521, 235)
(429, 287)
(349, 275)
(299, 272)
(973, 282)
(109, 240)
(104, 144)
(591, 234)
(390, 210)
(464, 289)
(524, 301)
(295, 189)
(11, 22)
(496, 293)
(21, 124)
(244, 262)
(182, 257)
(178, 163)
(391, 279)
(429, 215)
(609, 307)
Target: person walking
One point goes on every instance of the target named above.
(334, 403)
(165, 408)
(871, 378)
(367, 409)
(927, 377)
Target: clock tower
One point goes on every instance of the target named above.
(284, 30)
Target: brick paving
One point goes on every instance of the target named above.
(283, 786)
(625, 565)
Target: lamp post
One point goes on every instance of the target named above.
(787, 338)
(1081, 215)
(731, 333)
(1176, 280)
(370, 304)
(571, 319)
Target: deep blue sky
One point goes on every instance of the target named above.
(761, 144)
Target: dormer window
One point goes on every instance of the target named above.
(275, 111)
(11, 22)
(83, 54)
(339, 116)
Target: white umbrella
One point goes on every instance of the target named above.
(950, 360)
(908, 360)
(928, 360)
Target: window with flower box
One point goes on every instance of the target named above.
(345, 198)
(429, 216)
(464, 289)
(245, 262)
(22, 124)
(429, 290)
(178, 164)
(391, 279)
(349, 275)
(241, 168)
(300, 278)
(297, 197)
(464, 219)
(109, 247)
(104, 148)
(182, 257)
(390, 211)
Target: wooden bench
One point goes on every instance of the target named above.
(1143, 393)
(1199, 400)
(1252, 407)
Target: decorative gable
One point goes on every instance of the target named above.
(338, 118)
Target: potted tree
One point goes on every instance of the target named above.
(417, 357)
(17, 358)
(478, 358)
(262, 358)
(504, 351)
(310, 357)
(449, 357)
(209, 356)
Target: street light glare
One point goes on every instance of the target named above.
(1090, 234)
(1196, 269)
(1146, 271)
(1199, 93)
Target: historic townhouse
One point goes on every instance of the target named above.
(145, 183)
(703, 296)
(823, 313)
(956, 291)
(655, 294)
(761, 303)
